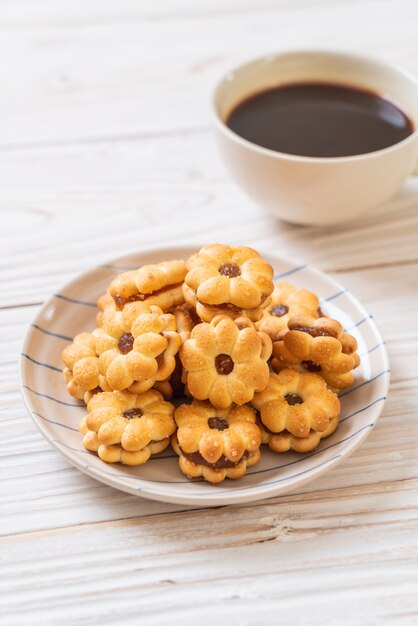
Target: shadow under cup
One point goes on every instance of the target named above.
(316, 190)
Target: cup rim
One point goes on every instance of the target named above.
(222, 126)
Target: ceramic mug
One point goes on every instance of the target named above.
(316, 190)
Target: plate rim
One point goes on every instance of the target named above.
(224, 498)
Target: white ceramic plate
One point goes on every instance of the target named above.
(57, 414)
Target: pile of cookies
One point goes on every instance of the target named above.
(210, 355)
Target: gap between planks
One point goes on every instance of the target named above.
(20, 306)
(158, 13)
(102, 139)
(317, 496)
(372, 266)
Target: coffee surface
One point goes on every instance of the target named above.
(320, 120)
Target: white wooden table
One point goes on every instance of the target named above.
(105, 148)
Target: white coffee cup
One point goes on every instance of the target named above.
(316, 190)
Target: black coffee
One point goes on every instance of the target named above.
(320, 120)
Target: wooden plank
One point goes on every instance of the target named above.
(20, 14)
(285, 555)
(150, 74)
(82, 205)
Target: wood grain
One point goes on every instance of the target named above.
(273, 553)
(105, 148)
(89, 74)
(133, 194)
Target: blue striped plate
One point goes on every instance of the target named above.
(56, 414)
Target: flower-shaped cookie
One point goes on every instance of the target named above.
(224, 363)
(285, 441)
(227, 280)
(317, 345)
(137, 353)
(124, 427)
(287, 301)
(214, 443)
(82, 372)
(162, 283)
(296, 403)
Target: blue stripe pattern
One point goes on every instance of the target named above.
(51, 367)
(48, 332)
(367, 382)
(362, 321)
(335, 295)
(381, 399)
(379, 345)
(55, 423)
(73, 300)
(44, 395)
(280, 480)
(236, 488)
(290, 272)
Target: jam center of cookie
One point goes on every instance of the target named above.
(221, 463)
(230, 269)
(160, 359)
(312, 331)
(217, 423)
(311, 366)
(120, 301)
(125, 343)
(224, 364)
(279, 310)
(293, 398)
(132, 413)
